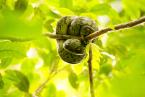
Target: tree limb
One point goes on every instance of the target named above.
(116, 27)
(100, 32)
(91, 72)
(58, 36)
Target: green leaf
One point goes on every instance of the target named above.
(128, 85)
(18, 79)
(100, 9)
(5, 62)
(48, 25)
(28, 65)
(66, 3)
(2, 4)
(53, 13)
(132, 11)
(1, 82)
(73, 79)
(61, 94)
(95, 57)
(105, 69)
(21, 5)
(16, 29)
(65, 11)
(11, 50)
(50, 91)
(45, 11)
(83, 76)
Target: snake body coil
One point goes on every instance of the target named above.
(73, 50)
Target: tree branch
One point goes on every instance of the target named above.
(100, 32)
(58, 36)
(38, 91)
(91, 72)
(117, 27)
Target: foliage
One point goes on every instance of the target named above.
(28, 58)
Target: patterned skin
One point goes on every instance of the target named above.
(73, 50)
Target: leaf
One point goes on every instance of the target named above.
(105, 9)
(5, 62)
(132, 11)
(21, 5)
(73, 79)
(100, 9)
(53, 13)
(95, 57)
(2, 4)
(47, 11)
(105, 69)
(18, 79)
(66, 3)
(50, 91)
(65, 11)
(16, 29)
(1, 82)
(128, 85)
(12, 50)
(61, 94)
(28, 66)
(48, 25)
(83, 76)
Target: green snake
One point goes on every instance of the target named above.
(73, 50)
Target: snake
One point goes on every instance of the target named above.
(73, 50)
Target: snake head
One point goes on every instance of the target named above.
(74, 46)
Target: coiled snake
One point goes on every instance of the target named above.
(73, 50)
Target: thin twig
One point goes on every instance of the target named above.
(100, 32)
(42, 86)
(90, 72)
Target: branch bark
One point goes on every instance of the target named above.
(102, 31)
(91, 72)
(116, 27)
(58, 36)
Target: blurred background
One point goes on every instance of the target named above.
(28, 58)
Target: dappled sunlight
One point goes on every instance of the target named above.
(31, 53)
(98, 50)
